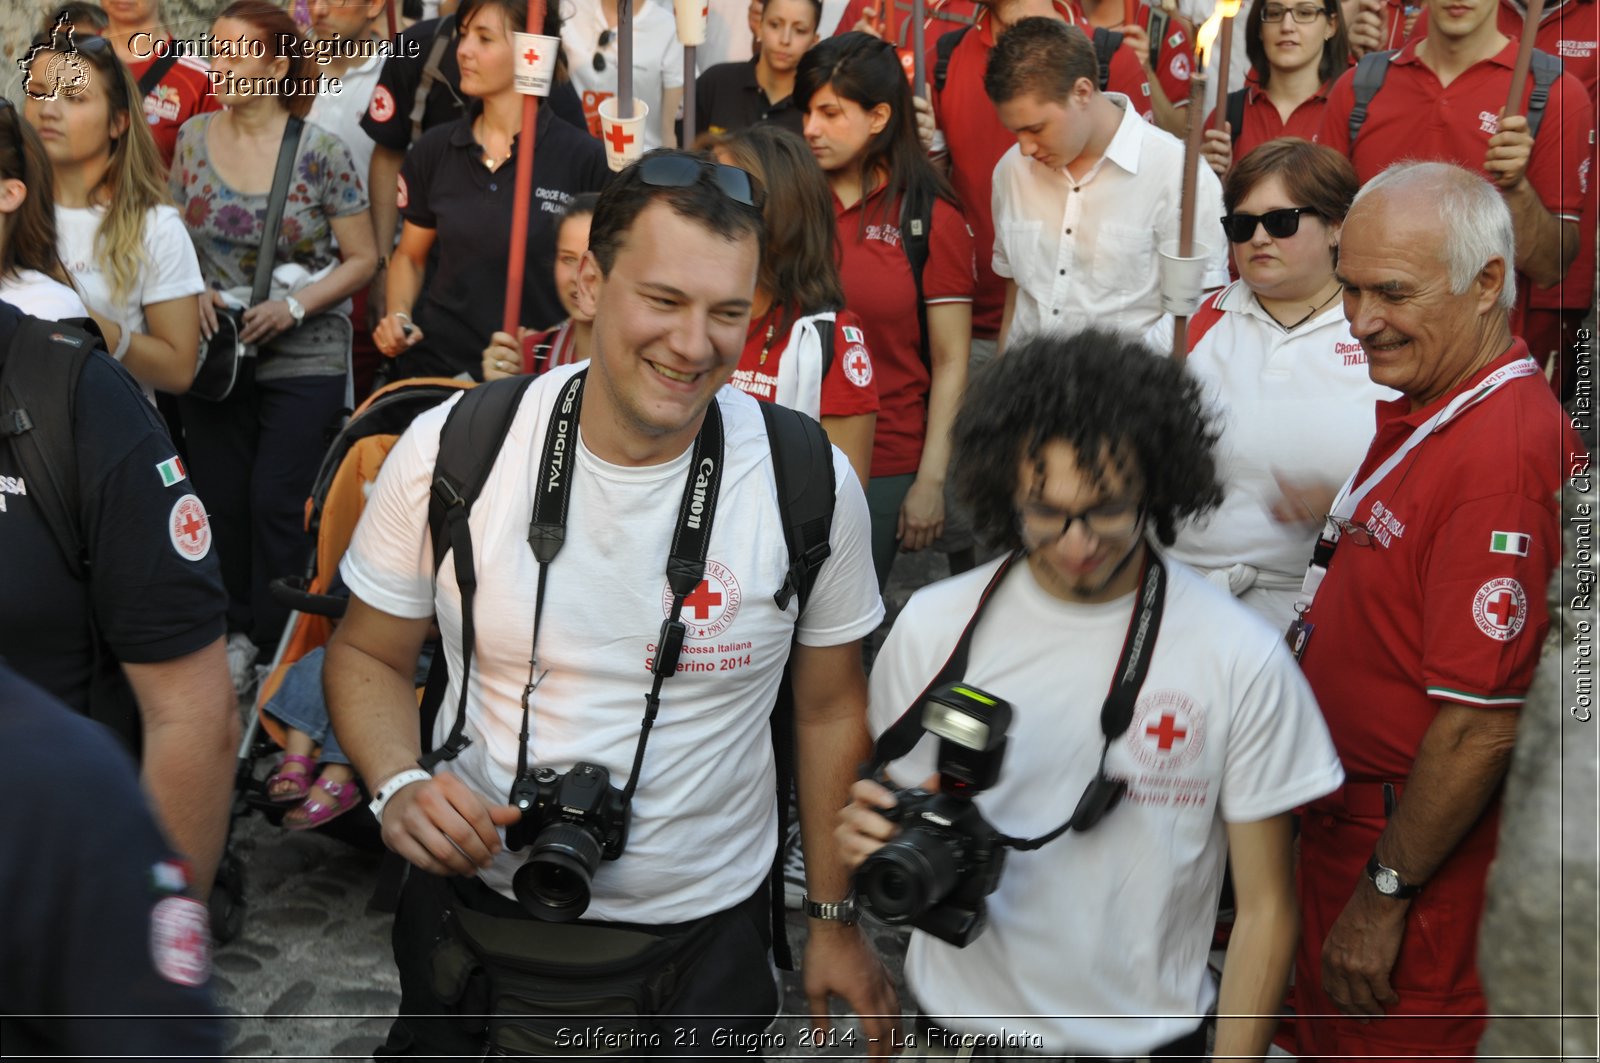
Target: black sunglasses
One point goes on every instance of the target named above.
(600, 60)
(1280, 223)
(675, 169)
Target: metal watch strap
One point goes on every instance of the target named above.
(395, 784)
(845, 911)
(1401, 890)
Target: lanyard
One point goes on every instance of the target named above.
(1116, 713)
(1350, 495)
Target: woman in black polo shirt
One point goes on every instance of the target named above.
(733, 96)
(456, 188)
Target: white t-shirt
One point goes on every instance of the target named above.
(1085, 251)
(1099, 940)
(171, 268)
(657, 59)
(727, 34)
(34, 293)
(1297, 405)
(341, 114)
(704, 823)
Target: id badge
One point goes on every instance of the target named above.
(1299, 634)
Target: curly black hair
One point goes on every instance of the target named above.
(1102, 393)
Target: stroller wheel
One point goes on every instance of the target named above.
(227, 900)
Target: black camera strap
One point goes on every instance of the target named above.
(686, 560)
(1116, 712)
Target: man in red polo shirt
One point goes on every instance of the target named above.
(182, 90)
(1421, 640)
(1442, 99)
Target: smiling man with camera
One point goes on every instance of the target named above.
(1110, 730)
(628, 557)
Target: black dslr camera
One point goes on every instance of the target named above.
(947, 858)
(573, 821)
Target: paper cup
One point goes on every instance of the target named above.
(1182, 279)
(535, 63)
(623, 137)
(691, 20)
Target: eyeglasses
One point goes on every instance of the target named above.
(1351, 532)
(1043, 526)
(1280, 224)
(600, 60)
(1273, 13)
(675, 169)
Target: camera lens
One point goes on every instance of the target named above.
(907, 877)
(554, 883)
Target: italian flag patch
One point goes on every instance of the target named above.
(853, 335)
(172, 470)
(1509, 543)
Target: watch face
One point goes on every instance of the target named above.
(1386, 881)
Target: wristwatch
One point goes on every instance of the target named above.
(296, 311)
(1387, 881)
(845, 911)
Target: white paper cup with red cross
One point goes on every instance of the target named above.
(534, 64)
(692, 16)
(1182, 278)
(623, 137)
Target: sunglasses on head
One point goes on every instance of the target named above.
(1279, 223)
(600, 60)
(678, 170)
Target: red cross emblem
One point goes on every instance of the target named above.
(858, 366)
(1167, 732)
(702, 599)
(192, 527)
(1500, 609)
(530, 56)
(189, 528)
(619, 140)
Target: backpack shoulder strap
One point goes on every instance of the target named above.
(443, 34)
(827, 325)
(1106, 42)
(943, 49)
(916, 229)
(469, 443)
(1370, 72)
(155, 72)
(1545, 69)
(802, 465)
(38, 403)
(1236, 101)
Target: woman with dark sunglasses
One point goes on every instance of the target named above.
(1297, 49)
(32, 276)
(589, 39)
(1291, 385)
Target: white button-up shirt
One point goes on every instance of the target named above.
(1083, 251)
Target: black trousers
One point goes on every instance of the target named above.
(253, 458)
(729, 993)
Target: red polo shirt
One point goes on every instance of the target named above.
(183, 92)
(881, 291)
(941, 17)
(1263, 123)
(848, 386)
(1415, 117)
(976, 138)
(1448, 602)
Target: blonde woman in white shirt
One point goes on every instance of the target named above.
(32, 278)
(1289, 382)
(121, 239)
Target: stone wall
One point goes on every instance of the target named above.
(21, 19)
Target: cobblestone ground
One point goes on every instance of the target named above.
(311, 976)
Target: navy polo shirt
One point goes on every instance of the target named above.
(728, 98)
(444, 186)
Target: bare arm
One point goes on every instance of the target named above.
(1005, 318)
(190, 725)
(1546, 245)
(165, 355)
(358, 261)
(671, 100)
(406, 269)
(853, 435)
(1458, 767)
(949, 348)
(383, 184)
(1264, 934)
(830, 696)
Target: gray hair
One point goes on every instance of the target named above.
(1473, 214)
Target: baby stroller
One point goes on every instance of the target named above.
(347, 473)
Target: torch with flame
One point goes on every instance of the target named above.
(1225, 12)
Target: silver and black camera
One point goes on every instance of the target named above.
(947, 858)
(572, 822)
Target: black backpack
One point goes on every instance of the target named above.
(802, 461)
(1374, 67)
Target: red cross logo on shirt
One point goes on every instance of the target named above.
(1167, 732)
(191, 528)
(702, 600)
(1502, 608)
(619, 139)
(530, 56)
(858, 364)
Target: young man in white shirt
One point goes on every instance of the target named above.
(669, 276)
(1085, 201)
(1080, 454)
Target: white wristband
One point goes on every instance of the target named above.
(393, 786)
(123, 342)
